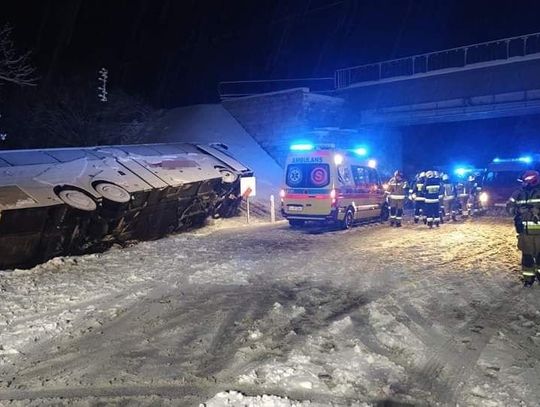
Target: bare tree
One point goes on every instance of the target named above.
(73, 116)
(15, 67)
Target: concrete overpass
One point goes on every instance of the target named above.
(481, 91)
(490, 80)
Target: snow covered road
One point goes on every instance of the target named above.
(418, 316)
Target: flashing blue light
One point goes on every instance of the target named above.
(527, 159)
(362, 151)
(302, 147)
(462, 171)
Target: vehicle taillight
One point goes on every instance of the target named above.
(333, 196)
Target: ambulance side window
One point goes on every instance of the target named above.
(373, 177)
(344, 175)
(360, 175)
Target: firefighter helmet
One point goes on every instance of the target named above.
(430, 174)
(531, 178)
(445, 177)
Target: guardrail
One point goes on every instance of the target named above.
(234, 89)
(449, 59)
(453, 58)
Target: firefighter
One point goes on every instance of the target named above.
(475, 189)
(433, 196)
(462, 193)
(417, 192)
(525, 206)
(449, 194)
(397, 192)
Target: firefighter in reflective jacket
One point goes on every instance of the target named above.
(397, 191)
(525, 206)
(433, 194)
(474, 189)
(418, 192)
(462, 192)
(449, 193)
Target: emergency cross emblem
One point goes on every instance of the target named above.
(295, 175)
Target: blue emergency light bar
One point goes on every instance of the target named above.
(361, 151)
(462, 171)
(302, 147)
(527, 159)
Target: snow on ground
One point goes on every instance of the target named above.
(213, 123)
(263, 315)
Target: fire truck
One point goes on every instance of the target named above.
(503, 177)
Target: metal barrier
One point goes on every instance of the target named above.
(453, 58)
(234, 89)
(422, 64)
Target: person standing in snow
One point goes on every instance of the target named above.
(462, 192)
(475, 190)
(525, 206)
(449, 195)
(417, 192)
(397, 192)
(433, 194)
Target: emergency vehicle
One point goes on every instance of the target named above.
(471, 181)
(503, 177)
(325, 184)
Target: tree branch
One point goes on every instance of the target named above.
(15, 67)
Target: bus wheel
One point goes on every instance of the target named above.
(348, 220)
(296, 223)
(113, 193)
(77, 199)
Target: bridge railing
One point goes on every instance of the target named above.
(234, 89)
(453, 58)
(422, 64)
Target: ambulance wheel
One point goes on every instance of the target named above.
(296, 223)
(348, 220)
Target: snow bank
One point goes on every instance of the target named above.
(213, 123)
(236, 399)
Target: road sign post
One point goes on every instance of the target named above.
(272, 209)
(247, 189)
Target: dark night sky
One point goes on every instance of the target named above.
(173, 52)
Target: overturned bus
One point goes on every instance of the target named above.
(77, 200)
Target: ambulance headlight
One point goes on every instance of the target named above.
(483, 197)
(338, 159)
